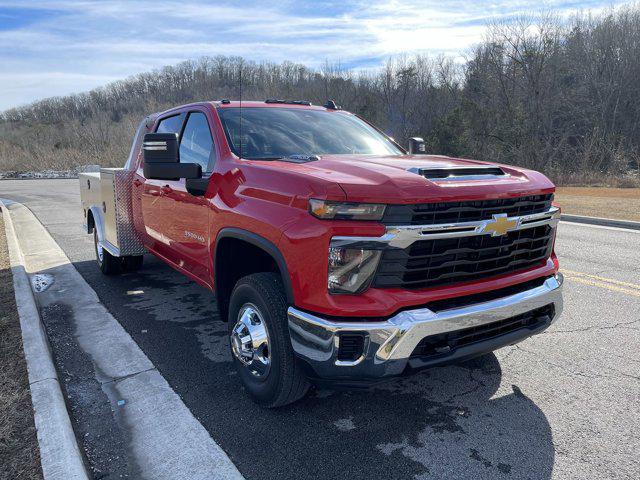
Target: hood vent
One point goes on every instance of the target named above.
(460, 173)
(300, 158)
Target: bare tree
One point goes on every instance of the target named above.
(539, 91)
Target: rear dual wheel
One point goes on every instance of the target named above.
(107, 263)
(260, 344)
(110, 265)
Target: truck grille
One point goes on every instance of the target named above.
(455, 212)
(442, 261)
(446, 343)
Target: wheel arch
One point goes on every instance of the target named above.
(95, 220)
(256, 248)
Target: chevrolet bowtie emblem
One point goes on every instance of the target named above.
(500, 225)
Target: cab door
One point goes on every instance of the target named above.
(188, 235)
(156, 208)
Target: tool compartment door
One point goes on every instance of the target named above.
(108, 194)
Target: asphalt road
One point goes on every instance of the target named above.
(564, 404)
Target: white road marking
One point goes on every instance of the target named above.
(603, 227)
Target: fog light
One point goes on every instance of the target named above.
(350, 346)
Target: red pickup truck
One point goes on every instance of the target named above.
(336, 256)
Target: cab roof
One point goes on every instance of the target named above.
(224, 103)
(265, 104)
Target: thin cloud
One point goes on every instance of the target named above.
(64, 46)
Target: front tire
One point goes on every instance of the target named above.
(260, 344)
(107, 263)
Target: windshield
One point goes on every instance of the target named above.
(271, 133)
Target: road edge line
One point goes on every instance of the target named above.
(60, 456)
(603, 222)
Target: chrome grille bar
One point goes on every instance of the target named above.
(404, 235)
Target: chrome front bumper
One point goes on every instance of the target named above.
(388, 344)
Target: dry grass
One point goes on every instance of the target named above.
(19, 453)
(597, 179)
(619, 203)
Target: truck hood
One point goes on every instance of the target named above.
(396, 179)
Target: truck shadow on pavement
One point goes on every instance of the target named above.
(460, 421)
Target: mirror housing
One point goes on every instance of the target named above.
(198, 186)
(417, 146)
(161, 154)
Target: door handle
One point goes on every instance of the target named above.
(136, 182)
(166, 189)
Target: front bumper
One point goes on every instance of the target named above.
(388, 345)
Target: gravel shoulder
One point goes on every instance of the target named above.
(19, 452)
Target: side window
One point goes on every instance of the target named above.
(171, 124)
(196, 145)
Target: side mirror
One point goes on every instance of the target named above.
(162, 158)
(417, 146)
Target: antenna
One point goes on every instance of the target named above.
(240, 109)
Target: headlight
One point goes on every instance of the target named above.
(345, 211)
(351, 269)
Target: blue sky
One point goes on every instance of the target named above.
(58, 47)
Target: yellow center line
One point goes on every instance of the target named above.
(634, 293)
(572, 273)
(602, 282)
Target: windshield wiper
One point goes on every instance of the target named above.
(288, 158)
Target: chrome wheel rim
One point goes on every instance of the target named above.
(250, 341)
(99, 251)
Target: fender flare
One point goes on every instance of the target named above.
(98, 222)
(263, 244)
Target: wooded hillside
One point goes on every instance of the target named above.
(559, 96)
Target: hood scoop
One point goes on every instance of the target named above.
(460, 173)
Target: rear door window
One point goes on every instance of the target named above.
(196, 145)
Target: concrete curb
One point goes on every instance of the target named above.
(41, 178)
(60, 456)
(604, 222)
(164, 438)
